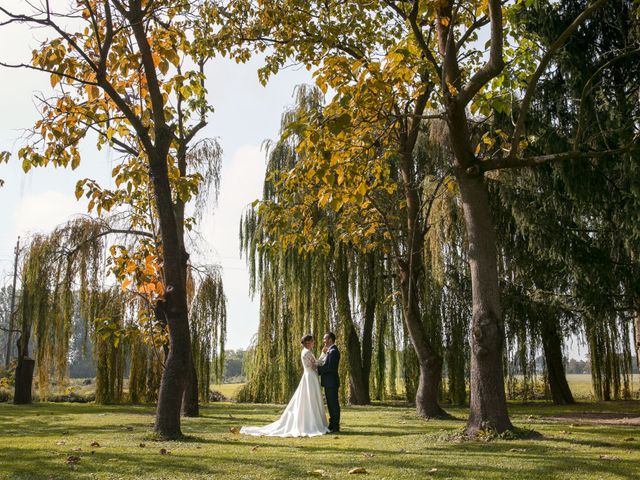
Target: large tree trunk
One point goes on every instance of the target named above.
(552, 346)
(488, 406)
(178, 362)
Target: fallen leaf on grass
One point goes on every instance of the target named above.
(518, 450)
(336, 437)
(164, 451)
(315, 473)
(232, 417)
(76, 449)
(367, 454)
(630, 439)
(433, 470)
(95, 444)
(357, 470)
(72, 459)
(234, 429)
(60, 442)
(609, 457)
(142, 445)
(255, 448)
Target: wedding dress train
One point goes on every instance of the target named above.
(304, 415)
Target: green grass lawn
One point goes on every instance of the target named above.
(389, 441)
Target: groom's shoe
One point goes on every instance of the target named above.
(334, 430)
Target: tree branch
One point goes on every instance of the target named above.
(494, 64)
(510, 162)
(533, 81)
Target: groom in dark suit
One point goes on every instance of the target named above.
(330, 380)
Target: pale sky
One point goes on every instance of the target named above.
(246, 114)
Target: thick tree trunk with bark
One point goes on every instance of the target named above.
(178, 362)
(552, 346)
(488, 405)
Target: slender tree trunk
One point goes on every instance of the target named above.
(488, 406)
(190, 404)
(367, 328)
(190, 400)
(637, 331)
(410, 270)
(552, 346)
(358, 381)
(178, 362)
(429, 362)
(381, 360)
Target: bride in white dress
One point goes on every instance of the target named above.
(304, 415)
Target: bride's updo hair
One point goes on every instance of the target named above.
(306, 339)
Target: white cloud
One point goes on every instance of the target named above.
(43, 211)
(242, 178)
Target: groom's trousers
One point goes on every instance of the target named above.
(333, 404)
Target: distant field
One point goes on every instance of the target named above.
(229, 390)
(580, 385)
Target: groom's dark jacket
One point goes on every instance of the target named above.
(329, 377)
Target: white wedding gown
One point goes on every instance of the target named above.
(304, 415)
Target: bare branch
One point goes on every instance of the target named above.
(46, 70)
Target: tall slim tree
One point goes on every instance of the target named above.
(121, 74)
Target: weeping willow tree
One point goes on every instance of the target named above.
(53, 280)
(327, 283)
(345, 276)
(66, 275)
(208, 314)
